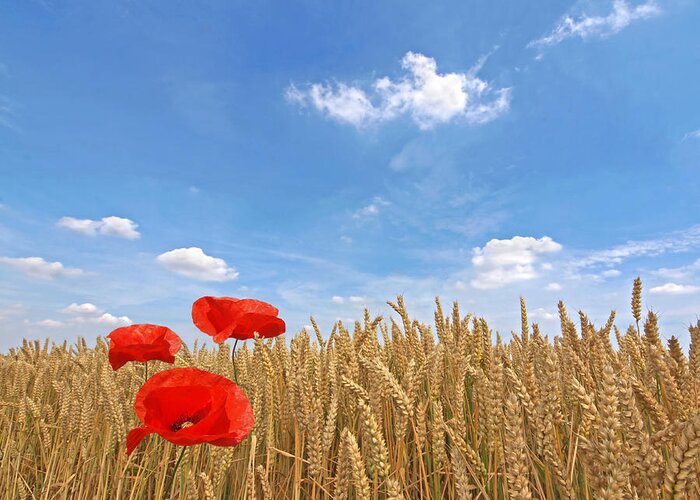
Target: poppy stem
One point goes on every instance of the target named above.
(169, 487)
(233, 362)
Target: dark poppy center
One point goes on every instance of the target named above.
(184, 422)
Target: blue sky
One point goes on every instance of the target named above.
(325, 157)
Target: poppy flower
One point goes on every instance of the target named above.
(142, 343)
(226, 317)
(190, 406)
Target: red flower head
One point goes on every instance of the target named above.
(226, 317)
(142, 343)
(189, 406)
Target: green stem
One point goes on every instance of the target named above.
(233, 362)
(166, 493)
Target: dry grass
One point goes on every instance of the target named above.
(427, 411)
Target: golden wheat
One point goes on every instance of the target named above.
(383, 410)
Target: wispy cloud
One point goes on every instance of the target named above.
(8, 113)
(109, 226)
(428, 97)
(12, 310)
(679, 273)
(695, 134)
(370, 210)
(194, 263)
(501, 262)
(678, 241)
(352, 299)
(51, 323)
(584, 26)
(37, 267)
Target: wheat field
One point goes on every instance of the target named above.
(385, 409)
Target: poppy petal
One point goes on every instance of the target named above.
(143, 342)
(227, 317)
(189, 406)
(135, 436)
(266, 326)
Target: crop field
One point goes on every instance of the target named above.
(386, 408)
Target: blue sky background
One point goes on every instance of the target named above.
(552, 153)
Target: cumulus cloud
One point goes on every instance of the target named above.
(553, 287)
(674, 289)
(86, 313)
(542, 314)
(194, 263)
(106, 319)
(501, 262)
(622, 15)
(82, 309)
(37, 267)
(427, 96)
(337, 299)
(109, 226)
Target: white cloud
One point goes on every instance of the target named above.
(345, 104)
(90, 313)
(623, 14)
(501, 262)
(553, 287)
(86, 314)
(695, 134)
(119, 226)
(674, 289)
(429, 97)
(370, 210)
(337, 299)
(611, 273)
(194, 263)
(110, 319)
(542, 314)
(83, 226)
(82, 309)
(39, 268)
(355, 299)
(109, 226)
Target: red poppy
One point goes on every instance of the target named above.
(226, 317)
(142, 343)
(189, 406)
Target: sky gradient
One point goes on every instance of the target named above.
(326, 157)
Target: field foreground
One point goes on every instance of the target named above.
(392, 410)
